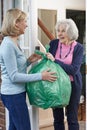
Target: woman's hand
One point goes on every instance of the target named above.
(49, 76)
(34, 58)
(50, 56)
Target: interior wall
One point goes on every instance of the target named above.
(62, 5)
(56, 4)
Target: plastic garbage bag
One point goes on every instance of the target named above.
(45, 94)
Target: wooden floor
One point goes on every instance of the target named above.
(82, 126)
(81, 118)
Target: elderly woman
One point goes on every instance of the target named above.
(68, 53)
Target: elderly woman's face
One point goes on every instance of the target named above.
(62, 35)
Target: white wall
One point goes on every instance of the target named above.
(55, 4)
(61, 5)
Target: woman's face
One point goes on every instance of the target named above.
(62, 35)
(21, 25)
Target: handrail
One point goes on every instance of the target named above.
(50, 36)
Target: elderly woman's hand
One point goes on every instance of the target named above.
(34, 58)
(50, 56)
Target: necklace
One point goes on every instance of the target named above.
(67, 52)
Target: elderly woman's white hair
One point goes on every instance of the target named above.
(70, 28)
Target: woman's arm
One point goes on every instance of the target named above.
(10, 62)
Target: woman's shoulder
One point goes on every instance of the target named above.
(54, 41)
(79, 45)
(7, 46)
(7, 42)
(78, 48)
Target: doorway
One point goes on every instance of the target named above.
(80, 19)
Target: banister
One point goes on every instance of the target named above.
(46, 31)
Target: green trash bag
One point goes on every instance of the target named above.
(45, 94)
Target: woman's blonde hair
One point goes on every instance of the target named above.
(9, 27)
(70, 28)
